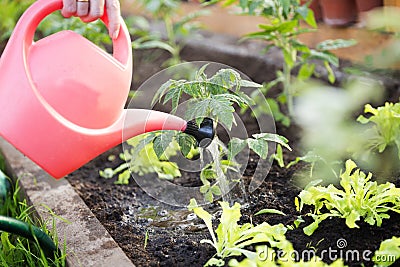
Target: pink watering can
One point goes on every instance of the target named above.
(63, 98)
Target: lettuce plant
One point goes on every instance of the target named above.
(385, 129)
(388, 252)
(358, 199)
(232, 239)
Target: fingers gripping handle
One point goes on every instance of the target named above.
(30, 20)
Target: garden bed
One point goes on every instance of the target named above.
(155, 234)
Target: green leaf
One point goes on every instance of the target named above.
(270, 211)
(352, 218)
(235, 146)
(226, 79)
(335, 44)
(204, 215)
(186, 143)
(331, 75)
(200, 74)
(215, 262)
(278, 156)
(156, 44)
(216, 190)
(106, 173)
(307, 15)
(139, 142)
(123, 178)
(246, 83)
(285, 6)
(324, 56)
(209, 197)
(162, 90)
(387, 247)
(279, 139)
(204, 188)
(174, 93)
(162, 141)
(198, 109)
(310, 229)
(305, 72)
(222, 109)
(259, 146)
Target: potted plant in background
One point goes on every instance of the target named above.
(339, 13)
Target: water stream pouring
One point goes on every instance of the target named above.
(63, 98)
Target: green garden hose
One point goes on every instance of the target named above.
(21, 228)
(29, 231)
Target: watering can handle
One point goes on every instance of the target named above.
(30, 20)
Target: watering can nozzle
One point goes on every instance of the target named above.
(203, 135)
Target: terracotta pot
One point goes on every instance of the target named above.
(366, 5)
(339, 13)
(315, 7)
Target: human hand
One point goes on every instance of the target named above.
(90, 10)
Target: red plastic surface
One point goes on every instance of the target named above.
(62, 97)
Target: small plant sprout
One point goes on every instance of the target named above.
(215, 97)
(146, 159)
(178, 29)
(232, 239)
(358, 199)
(385, 130)
(146, 239)
(388, 252)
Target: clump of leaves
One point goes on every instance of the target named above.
(358, 199)
(282, 30)
(145, 156)
(388, 252)
(232, 239)
(177, 29)
(385, 130)
(95, 31)
(215, 97)
(10, 11)
(209, 97)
